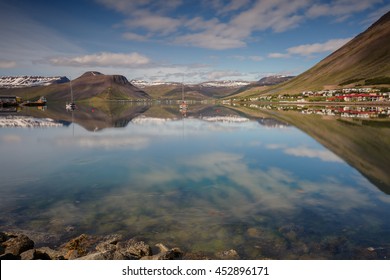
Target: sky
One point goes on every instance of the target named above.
(177, 40)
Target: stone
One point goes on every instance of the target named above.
(3, 237)
(165, 254)
(97, 256)
(34, 254)
(79, 246)
(9, 256)
(18, 245)
(134, 249)
(228, 255)
(52, 254)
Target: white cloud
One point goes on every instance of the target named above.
(278, 55)
(311, 49)
(324, 155)
(106, 142)
(232, 24)
(160, 25)
(135, 37)
(256, 58)
(223, 31)
(216, 75)
(103, 59)
(7, 64)
(340, 8)
(210, 41)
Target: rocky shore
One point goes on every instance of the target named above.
(15, 246)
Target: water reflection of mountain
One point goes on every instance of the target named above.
(364, 144)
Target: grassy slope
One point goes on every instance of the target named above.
(366, 56)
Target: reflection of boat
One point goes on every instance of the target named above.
(40, 102)
(183, 106)
(71, 105)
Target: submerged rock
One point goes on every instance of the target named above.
(228, 255)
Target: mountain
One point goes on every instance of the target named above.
(273, 80)
(365, 60)
(204, 90)
(89, 85)
(30, 81)
(107, 87)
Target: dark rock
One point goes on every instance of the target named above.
(9, 256)
(52, 254)
(17, 245)
(3, 237)
(165, 254)
(38, 254)
(112, 238)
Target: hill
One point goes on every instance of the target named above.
(204, 90)
(365, 60)
(90, 85)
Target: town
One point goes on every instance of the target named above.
(332, 95)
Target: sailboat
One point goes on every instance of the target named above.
(183, 105)
(70, 106)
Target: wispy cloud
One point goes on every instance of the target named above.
(215, 75)
(7, 64)
(225, 30)
(103, 59)
(323, 155)
(233, 23)
(301, 151)
(312, 49)
(340, 9)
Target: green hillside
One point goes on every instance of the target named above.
(365, 60)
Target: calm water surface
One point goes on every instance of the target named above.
(212, 181)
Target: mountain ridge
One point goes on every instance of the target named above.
(365, 57)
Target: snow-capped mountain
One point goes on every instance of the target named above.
(228, 83)
(273, 80)
(143, 83)
(30, 81)
(217, 84)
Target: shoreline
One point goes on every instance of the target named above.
(18, 246)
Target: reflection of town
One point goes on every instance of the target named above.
(365, 112)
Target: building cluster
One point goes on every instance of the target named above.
(349, 95)
(331, 95)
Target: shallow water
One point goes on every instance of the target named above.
(204, 183)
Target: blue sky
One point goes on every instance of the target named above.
(197, 40)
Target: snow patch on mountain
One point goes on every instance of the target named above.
(143, 83)
(230, 84)
(30, 81)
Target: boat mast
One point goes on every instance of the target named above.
(182, 89)
(71, 92)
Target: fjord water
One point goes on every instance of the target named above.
(217, 179)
